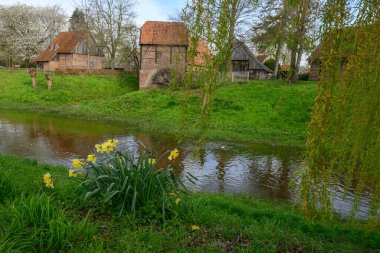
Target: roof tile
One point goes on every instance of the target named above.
(164, 33)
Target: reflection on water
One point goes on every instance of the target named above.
(258, 170)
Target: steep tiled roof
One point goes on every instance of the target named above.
(285, 67)
(261, 57)
(64, 42)
(164, 33)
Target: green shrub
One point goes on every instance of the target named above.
(304, 77)
(133, 186)
(270, 64)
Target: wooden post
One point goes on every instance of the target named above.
(48, 78)
(33, 74)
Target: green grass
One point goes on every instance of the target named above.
(262, 111)
(34, 218)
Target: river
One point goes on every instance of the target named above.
(224, 167)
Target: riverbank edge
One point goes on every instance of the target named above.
(240, 223)
(149, 126)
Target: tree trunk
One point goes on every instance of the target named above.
(231, 35)
(293, 59)
(277, 63)
(297, 66)
(112, 62)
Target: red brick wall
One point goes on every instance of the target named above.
(158, 57)
(74, 61)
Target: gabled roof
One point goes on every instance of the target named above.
(64, 42)
(241, 52)
(261, 57)
(164, 33)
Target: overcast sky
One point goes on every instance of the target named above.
(158, 10)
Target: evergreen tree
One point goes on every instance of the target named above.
(77, 21)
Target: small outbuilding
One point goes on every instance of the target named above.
(70, 50)
(244, 61)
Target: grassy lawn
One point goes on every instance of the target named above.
(37, 219)
(262, 111)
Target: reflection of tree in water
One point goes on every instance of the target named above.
(62, 142)
(271, 174)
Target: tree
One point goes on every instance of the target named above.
(110, 22)
(301, 23)
(286, 24)
(27, 30)
(343, 146)
(130, 50)
(77, 21)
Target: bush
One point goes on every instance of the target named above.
(270, 64)
(134, 186)
(304, 77)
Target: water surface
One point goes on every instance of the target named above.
(224, 167)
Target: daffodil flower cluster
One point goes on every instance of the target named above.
(173, 154)
(107, 146)
(48, 181)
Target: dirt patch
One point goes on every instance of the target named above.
(212, 238)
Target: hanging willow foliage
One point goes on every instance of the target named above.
(208, 21)
(343, 148)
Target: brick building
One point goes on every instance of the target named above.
(163, 48)
(70, 50)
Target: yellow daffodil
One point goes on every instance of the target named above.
(48, 181)
(151, 161)
(194, 227)
(99, 148)
(173, 155)
(77, 163)
(72, 173)
(177, 201)
(107, 147)
(91, 158)
(112, 142)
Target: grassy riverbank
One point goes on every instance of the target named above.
(263, 111)
(35, 218)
